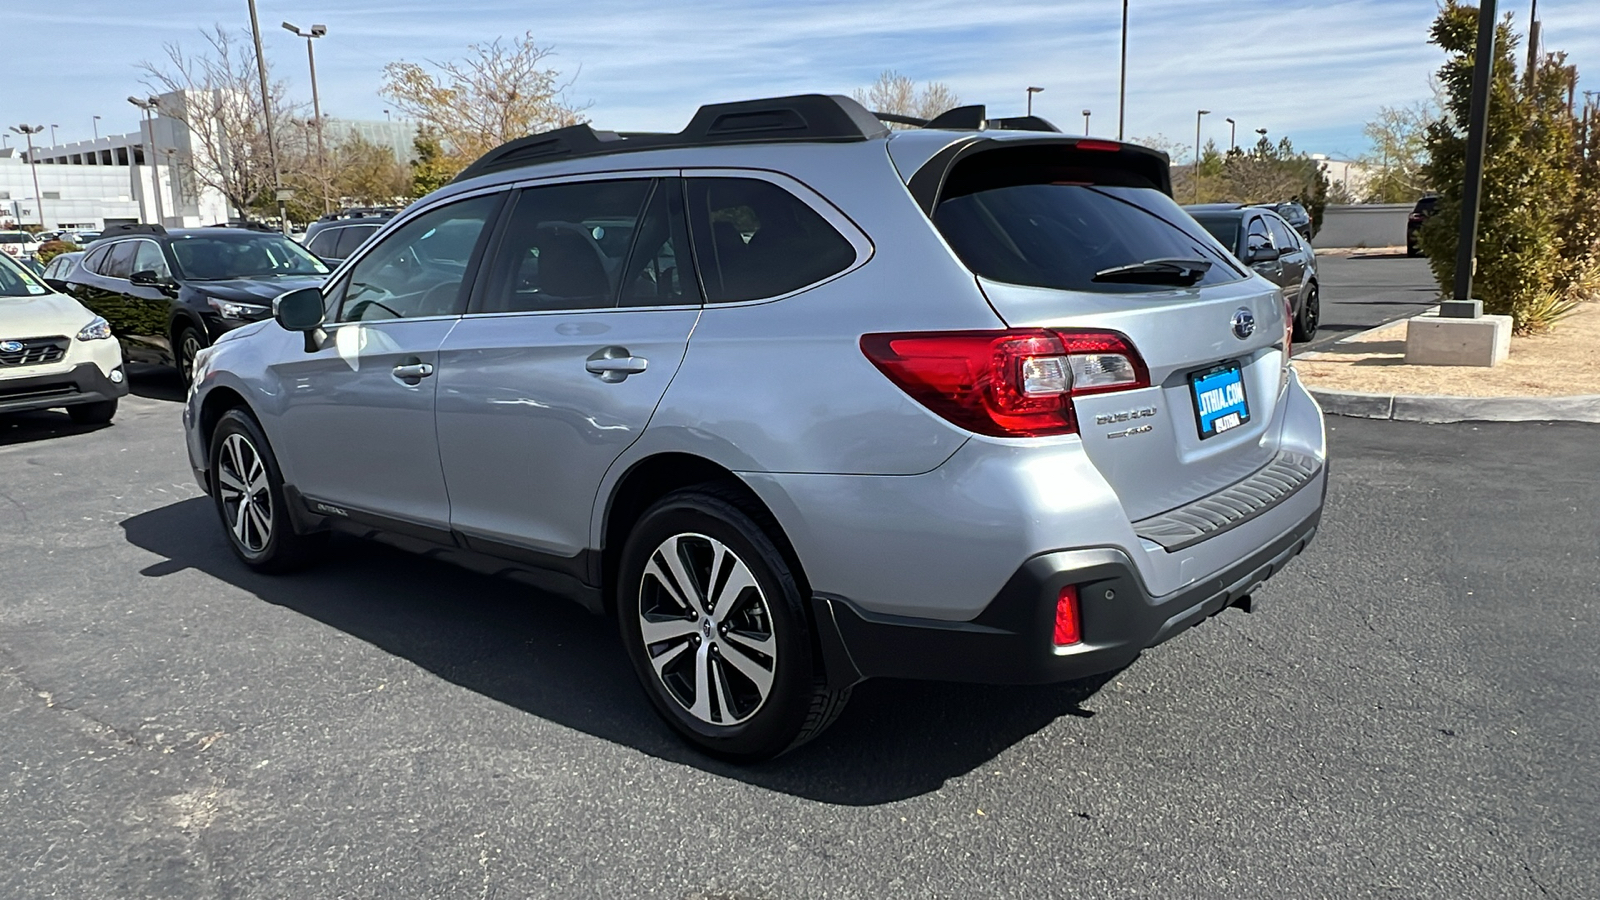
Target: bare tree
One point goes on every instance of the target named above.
(1399, 136)
(897, 94)
(500, 92)
(219, 102)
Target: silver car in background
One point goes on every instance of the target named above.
(798, 400)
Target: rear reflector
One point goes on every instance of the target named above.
(1068, 630)
(1014, 383)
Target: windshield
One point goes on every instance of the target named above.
(14, 237)
(1224, 228)
(218, 257)
(15, 281)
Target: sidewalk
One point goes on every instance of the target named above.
(1548, 377)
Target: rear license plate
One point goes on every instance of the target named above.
(1219, 401)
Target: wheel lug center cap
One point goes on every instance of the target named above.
(705, 627)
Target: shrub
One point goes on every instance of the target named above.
(51, 249)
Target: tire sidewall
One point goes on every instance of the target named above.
(775, 726)
(1309, 319)
(232, 422)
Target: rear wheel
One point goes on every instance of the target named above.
(248, 490)
(93, 413)
(1309, 316)
(715, 624)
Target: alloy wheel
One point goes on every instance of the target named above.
(707, 629)
(245, 493)
(188, 349)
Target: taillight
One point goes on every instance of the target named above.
(1014, 383)
(1069, 630)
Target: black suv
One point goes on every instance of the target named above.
(1425, 209)
(167, 294)
(1267, 243)
(335, 237)
(1298, 217)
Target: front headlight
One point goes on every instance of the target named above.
(98, 329)
(229, 309)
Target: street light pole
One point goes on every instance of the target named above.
(53, 141)
(1477, 139)
(97, 128)
(1122, 90)
(1086, 123)
(316, 106)
(266, 116)
(148, 140)
(1233, 131)
(1031, 92)
(28, 131)
(1262, 132)
(1197, 116)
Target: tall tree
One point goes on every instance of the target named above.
(897, 94)
(430, 169)
(498, 92)
(219, 102)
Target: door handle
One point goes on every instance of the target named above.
(412, 372)
(613, 364)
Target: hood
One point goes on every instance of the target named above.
(44, 315)
(261, 291)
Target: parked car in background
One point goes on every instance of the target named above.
(1426, 208)
(998, 412)
(1265, 242)
(81, 238)
(167, 294)
(55, 274)
(1298, 217)
(19, 244)
(54, 353)
(335, 237)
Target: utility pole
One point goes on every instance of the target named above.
(28, 131)
(148, 139)
(1462, 305)
(1198, 114)
(266, 116)
(1122, 90)
(316, 106)
(1533, 42)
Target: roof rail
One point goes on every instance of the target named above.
(360, 212)
(803, 117)
(970, 118)
(131, 228)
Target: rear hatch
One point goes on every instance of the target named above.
(1077, 235)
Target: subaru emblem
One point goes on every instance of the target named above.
(1244, 323)
(10, 346)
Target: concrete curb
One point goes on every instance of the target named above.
(1436, 409)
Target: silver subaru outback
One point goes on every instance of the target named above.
(799, 400)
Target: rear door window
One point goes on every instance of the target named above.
(1282, 236)
(96, 260)
(1032, 222)
(324, 243)
(119, 263)
(350, 238)
(755, 240)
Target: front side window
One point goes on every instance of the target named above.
(1258, 236)
(755, 240)
(421, 268)
(218, 257)
(148, 258)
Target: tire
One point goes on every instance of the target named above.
(1309, 316)
(93, 413)
(247, 487)
(706, 678)
(189, 342)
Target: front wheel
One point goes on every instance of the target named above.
(715, 624)
(248, 489)
(189, 344)
(1309, 316)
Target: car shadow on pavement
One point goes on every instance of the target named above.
(40, 425)
(156, 383)
(548, 657)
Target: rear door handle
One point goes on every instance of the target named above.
(413, 372)
(614, 364)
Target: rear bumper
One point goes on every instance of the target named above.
(1011, 641)
(83, 383)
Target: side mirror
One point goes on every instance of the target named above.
(1262, 255)
(145, 278)
(301, 311)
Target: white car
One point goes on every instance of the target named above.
(19, 244)
(55, 354)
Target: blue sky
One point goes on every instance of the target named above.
(1314, 70)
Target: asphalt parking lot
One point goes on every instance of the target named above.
(1366, 291)
(1409, 712)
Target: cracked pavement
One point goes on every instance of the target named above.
(1409, 712)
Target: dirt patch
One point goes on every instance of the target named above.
(1565, 362)
(1362, 252)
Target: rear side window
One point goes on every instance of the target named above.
(350, 238)
(755, 240)
(96, 260)
(324, 243)
(1020, 219)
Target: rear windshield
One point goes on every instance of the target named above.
(1031, 223)
(220, 257)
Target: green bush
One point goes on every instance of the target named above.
(51, 249)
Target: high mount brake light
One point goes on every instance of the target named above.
(1014, 383)
(1109, 146)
